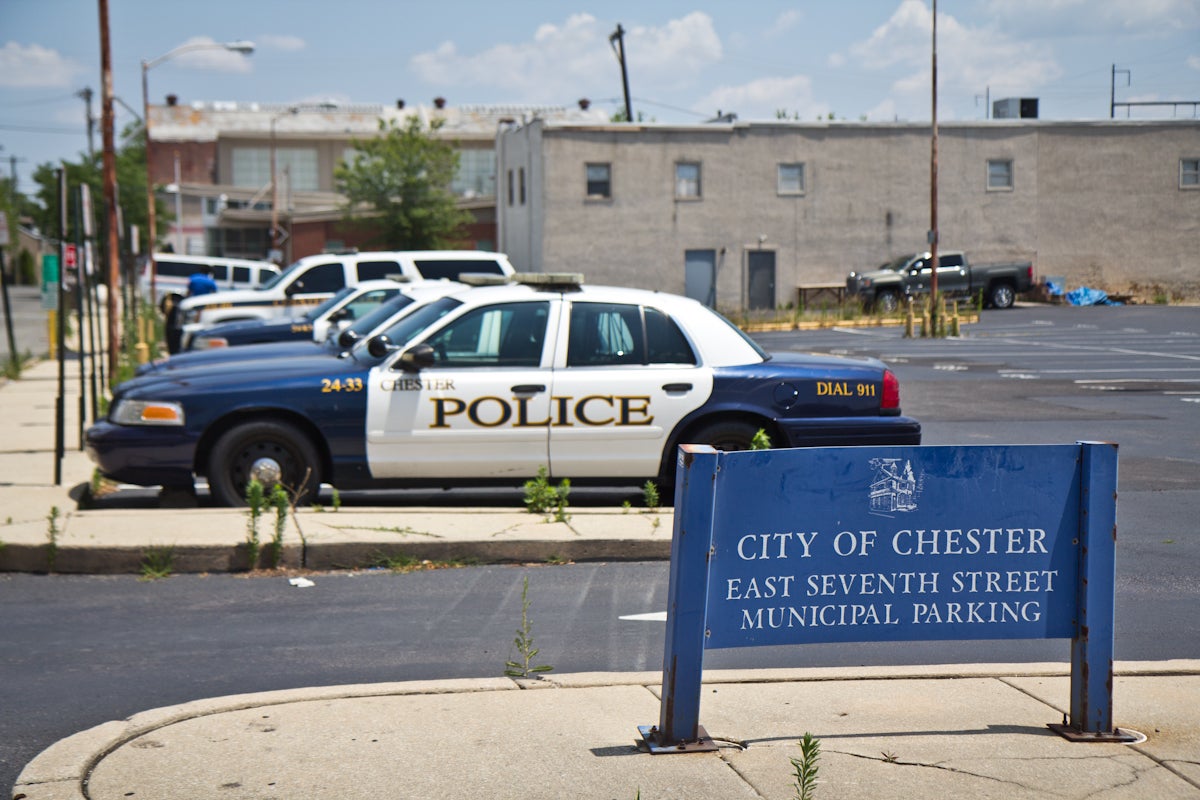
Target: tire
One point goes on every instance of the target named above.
(728, 436)
(232, 460)
(1001, 295)
(887, 301)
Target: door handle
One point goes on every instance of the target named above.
(677, 387)
(528, 388)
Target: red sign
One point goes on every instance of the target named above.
(69, 256)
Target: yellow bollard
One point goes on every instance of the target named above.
(908, 320)
(52, 319)
(142, 352)
(954, 325)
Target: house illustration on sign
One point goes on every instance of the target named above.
(893, 488)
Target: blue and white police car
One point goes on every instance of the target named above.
(486, 386)
(316, 324)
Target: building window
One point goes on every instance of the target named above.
(294, 166)
(790, 179)
(521, 185)
(510, 187)
(476, 176)
(1000, 175)
(1189, 173)
(687, 179)
(599, 181)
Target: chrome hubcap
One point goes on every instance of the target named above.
(266, 471)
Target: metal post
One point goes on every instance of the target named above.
(678, 729)
(1092, 645)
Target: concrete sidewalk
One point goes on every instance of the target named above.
(977, 731)
(937, 732)
(97, 536)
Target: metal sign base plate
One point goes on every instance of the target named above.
(651, 741)
(1118, 735)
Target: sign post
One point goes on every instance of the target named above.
(860, 544)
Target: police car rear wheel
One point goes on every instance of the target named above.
(731, 435)
(272, 452)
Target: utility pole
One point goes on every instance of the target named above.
(110, 189)
(86, 95)
(933, 195)
(617, 42)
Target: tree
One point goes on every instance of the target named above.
(131, 194)
(399, 185)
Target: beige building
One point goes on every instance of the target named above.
(740, 214)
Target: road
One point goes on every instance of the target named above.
(81, 650)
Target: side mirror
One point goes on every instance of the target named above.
(379, 346)
(347, 338)
(293, 288)
(417, 358)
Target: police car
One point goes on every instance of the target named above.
(346, 306)
(486, 386)
(408, 297)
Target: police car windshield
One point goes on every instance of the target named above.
(381, 314)
(317, 311)
(420, 319)
(745, 337)
(275, 281)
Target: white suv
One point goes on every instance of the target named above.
(172, 272)
(316, 278)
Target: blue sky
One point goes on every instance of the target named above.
(687, 59)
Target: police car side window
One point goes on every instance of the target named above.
(665, 343)
(605, 334)
(503, 335)
(241, 274)
(377, 270)
(322, 278)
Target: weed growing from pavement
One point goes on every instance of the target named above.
(52, 538)
(255, 504)
(523, 642)
(279, 500)
(13, 365)
(542, 498)
(157, 562)
(650, 496)
(806, 767)
(760, 441)
(404, 563)
(889, 758)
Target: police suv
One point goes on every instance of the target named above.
(313, 279)
(486, 386)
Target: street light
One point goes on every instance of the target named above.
(275, 186)
(245, 48)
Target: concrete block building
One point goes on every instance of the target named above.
(739, 214)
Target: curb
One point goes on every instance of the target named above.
(60, 771)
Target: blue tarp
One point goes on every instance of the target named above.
(1084, 296)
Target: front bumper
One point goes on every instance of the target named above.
(142, 455)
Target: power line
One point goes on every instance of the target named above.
(37, 129)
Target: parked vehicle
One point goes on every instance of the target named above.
(489, 386)
(172, 272)
(313, 279)
(910, 275)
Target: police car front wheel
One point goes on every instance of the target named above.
(271, 452)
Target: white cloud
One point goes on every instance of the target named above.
(275, 41)
(761, 99)
(204, 53)
(34, 66)
(970, 59)
(1194, 62)
(1034, 18)
(575, 59)
(785, 22)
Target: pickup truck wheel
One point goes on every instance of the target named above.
(887, 302)
(1002, 295)
(272, 452)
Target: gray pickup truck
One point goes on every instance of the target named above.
(884, 287)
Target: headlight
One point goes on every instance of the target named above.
(147, 412)
(209, 342)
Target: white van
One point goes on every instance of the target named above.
(173, 271)
(315, 278)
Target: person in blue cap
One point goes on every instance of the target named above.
(202, 282)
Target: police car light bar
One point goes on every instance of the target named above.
(482, 279)
(566, 279)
